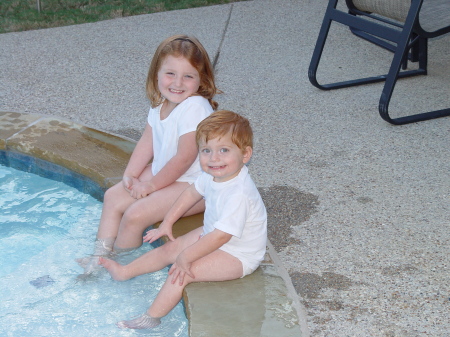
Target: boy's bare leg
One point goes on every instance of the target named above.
(217, 266)
(153, 260)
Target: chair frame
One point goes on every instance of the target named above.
(408, 41)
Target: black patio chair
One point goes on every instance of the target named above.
(394, 25)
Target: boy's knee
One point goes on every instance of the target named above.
(171, 248)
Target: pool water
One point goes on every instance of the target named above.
(44, 226)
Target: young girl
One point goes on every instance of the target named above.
(232, 242)
(180, 86)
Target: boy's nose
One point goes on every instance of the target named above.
(214, 156)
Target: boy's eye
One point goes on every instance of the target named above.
(223, 150)
(205, 151)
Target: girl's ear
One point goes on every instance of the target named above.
(247, 154)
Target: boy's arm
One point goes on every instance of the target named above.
(187, 151)
(184, 202)
(208, 244)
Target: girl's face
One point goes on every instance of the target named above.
(222, 158)
(177, 79)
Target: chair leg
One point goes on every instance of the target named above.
(394, 74)
(320, 44)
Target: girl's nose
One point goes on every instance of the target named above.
(178, 81)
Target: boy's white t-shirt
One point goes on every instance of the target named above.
(166, 133)
(236, 207)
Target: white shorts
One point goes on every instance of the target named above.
(246, 270)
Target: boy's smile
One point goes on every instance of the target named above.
(222, 158)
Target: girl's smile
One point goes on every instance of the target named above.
(177, 80)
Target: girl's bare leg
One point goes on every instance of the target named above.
(217, 266)
(115, 203)
(124, 219)
(148, 211)
(153, 260)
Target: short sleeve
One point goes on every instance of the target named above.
(151, 116)
(200, 183)
(193, 113)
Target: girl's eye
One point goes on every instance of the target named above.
(189, 76)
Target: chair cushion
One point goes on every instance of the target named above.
(394, 9)
(434, 14)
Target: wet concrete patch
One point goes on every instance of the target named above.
(286, 207)
(364, 200)
(398, 270)
(310, 285)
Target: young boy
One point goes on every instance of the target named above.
(232, 242)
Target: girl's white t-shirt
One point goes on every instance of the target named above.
(166, 133)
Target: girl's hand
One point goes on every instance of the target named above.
(128, 183)
(154, 234)
(140, 189)
(180, 269)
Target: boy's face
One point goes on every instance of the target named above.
(223, 159)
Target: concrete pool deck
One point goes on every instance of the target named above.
(359, 210)
(258, 305)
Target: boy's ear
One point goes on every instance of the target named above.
(247, 154)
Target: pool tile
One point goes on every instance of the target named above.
(20, 161)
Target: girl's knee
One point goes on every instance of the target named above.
(109, 194)
(113, 194)
(131, 220)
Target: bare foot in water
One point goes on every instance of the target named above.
(116, 270)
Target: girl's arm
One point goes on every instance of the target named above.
(140, 158)
(184, 202)
(186, 153)
(208, 244)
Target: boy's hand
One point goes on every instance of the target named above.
(154, 234)
(180, 269)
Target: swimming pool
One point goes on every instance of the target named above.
(44, 225)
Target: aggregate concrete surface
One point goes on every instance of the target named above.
(358, 209)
